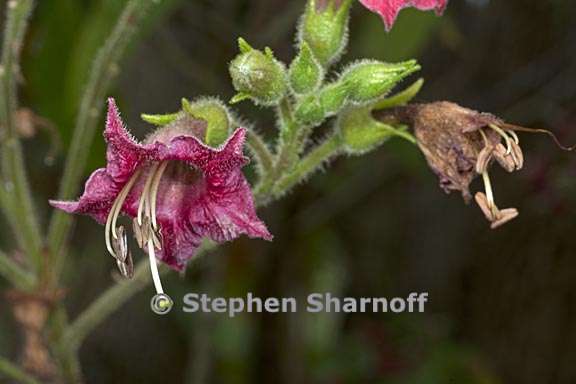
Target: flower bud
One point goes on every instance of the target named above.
(315, 108)
(258, 75)
(216, 116)
(360, 132)
(305, 72)
(325, 28)
(370, 80)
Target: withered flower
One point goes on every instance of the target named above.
(461, 144)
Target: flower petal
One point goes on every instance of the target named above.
(123, 153)
(227, 212)
(97, 199)
(389, 9)
(211, 161)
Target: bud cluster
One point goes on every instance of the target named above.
(303, 86)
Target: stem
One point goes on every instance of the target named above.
(104, 70)
(288, 149)
(17, 276)
(261, 152)
(324, 152)
(66, 357)
(12, 371)
(105, 305)
(13, 168)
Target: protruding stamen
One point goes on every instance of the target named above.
(154, 192)
(115, 212)
(489, 193)
(514, 136)
(144, 203)
(154, 267)
(506, 138)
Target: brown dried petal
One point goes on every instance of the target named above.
(449, 137)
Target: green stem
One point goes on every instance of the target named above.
(105, 305)
(104, 70)
(11, 371)
(289, 143)
(312, 162)
(17, 276)
(112, 299)
(261, 152)
(13, 167)
(66, 357)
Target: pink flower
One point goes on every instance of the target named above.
(176, 189)
(389, 9)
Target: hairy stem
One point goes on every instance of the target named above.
(261, 152)
(15, 180)
(288, 153)
(9, 370)
(104, 70)
(309, 164)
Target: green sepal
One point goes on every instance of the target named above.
(360, 132)
(239, 97)
(401, 98)
(243, 46)
(160, 120)
(216, 115)
(306, 72)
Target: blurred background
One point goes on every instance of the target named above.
(502, 303)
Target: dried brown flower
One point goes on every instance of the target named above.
(460, 144)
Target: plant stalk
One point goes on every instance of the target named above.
(104, 71)
(15, 179)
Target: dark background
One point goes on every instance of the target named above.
(502, 303)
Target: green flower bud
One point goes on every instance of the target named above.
(369, 81)
(360, 133)
(309, 111)
(258, 75)
(333, 97)
(216, 115)
(314, 109)
(305, 72)
(324, 28)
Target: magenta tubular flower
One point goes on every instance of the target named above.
(389, 9)
(176, 189)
